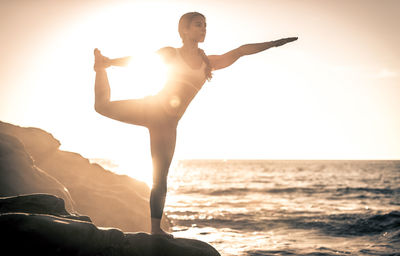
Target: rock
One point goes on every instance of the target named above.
(110, 200)
(40, 142)
(49, 234)
(144, 244)
(38, 204)
(20, 176)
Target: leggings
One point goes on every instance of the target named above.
(162, 143)
(148, 112)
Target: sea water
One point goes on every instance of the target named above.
(287, 207)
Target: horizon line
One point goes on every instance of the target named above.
(267, 159)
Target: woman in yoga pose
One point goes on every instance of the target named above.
(189, 68)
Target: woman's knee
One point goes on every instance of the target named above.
(159, 187)
(160, 178)
(100, 107)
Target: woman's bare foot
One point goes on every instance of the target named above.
(156, 229)
(162, 233)
(100, 62)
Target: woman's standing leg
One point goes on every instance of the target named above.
(162, 142)
(162, 135)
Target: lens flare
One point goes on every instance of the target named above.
(175, 101)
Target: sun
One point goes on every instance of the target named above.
(137, 30)
(145, 75)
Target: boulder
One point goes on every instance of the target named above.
(42, 229)
(37, 142)
(38, 204)
(18, 174)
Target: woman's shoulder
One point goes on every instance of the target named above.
(167, 53)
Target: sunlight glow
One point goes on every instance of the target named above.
(119, 31)
(145, 75)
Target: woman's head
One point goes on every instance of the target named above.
(192, 26)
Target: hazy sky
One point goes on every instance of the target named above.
(333, 94)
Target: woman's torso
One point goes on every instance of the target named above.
(183, 83)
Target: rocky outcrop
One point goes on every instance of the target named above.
(43, 227)
(38, 204)
(38, 143)
(18, 174)
(39, 166)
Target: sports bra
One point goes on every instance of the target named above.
(181, 72)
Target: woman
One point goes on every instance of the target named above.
(189, 69)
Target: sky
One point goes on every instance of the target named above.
(333, 94)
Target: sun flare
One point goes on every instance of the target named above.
(145, 75)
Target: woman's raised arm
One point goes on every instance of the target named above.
(227, 59)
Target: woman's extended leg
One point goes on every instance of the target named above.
(162, 142)
(128, 111)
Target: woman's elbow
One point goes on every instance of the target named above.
(243, 50)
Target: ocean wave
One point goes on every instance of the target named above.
(242, 191)
(377, 224)
(379, 250)
(357, 190)
(322, 251)
(343, 225)
(239, 222)
(352, 224)
(360, 192)
(331, 193)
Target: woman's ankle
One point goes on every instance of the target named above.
(156, 225)
(99, 69)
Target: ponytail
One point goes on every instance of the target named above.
(207, 70)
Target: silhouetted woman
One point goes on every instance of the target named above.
(189, 68)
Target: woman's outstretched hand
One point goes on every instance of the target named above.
(283, 41)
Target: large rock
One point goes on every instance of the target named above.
(42, 229)
(110, 200)
(38, 142)
(18, 174)
(38, 204)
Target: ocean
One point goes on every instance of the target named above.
(258, 208)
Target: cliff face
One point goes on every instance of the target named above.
(31, 162)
